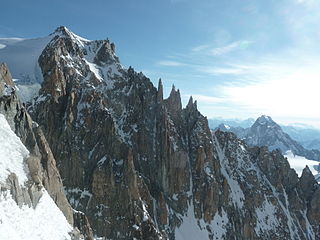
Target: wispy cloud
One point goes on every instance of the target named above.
(231, 47)
(200, 48)
(171, 63)
(207, 53)
(210, 49)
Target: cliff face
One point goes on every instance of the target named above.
(140, 166)
(40, 163)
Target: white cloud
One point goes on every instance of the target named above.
(283, 91)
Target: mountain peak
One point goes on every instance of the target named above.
(190, 102)
(61, 29)
(265, 126)
(264, 119)
(65, 32)
(160, 91)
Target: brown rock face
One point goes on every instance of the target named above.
(81, 222)
(140, 166)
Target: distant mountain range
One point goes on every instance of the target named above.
(266, 132)
(307, 136)
(246, 123)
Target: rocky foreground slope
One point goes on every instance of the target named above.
(142, 167)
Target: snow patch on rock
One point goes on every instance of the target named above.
(191, 228)
(266, 218)
(219, 224)
(236, 193)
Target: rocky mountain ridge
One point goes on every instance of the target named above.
(143, 167)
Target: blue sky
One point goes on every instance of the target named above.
(238, 58)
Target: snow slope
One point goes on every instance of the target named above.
(21, 56)
(298, 163)
(192, 228)
(12, 153)
(45, 221)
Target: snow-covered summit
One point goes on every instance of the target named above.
(22, 57)
(64, 31)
